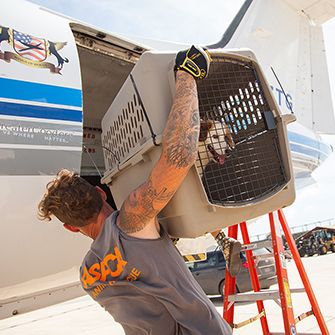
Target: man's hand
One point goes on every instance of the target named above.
(194, 61)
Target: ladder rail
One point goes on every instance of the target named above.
(303, 275)
(230, 285)
(282, 277)
(254, 277)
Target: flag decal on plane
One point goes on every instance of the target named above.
(31, 51)
(29, 47)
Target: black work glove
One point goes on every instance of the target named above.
(194, 61)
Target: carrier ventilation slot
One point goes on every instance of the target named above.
(126, 132)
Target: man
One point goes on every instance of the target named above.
(133, 269)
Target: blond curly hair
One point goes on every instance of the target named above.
(71, 199)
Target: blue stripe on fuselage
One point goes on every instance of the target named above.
(309, 142)
(25, 90)
(41, 112)
(310, 152)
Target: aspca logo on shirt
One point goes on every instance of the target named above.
(103, 270)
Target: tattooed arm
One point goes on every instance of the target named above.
(179, 149)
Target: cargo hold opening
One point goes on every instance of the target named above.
(105, 63)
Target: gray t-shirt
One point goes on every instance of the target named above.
(146, 286)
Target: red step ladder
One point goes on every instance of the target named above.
(284, 293)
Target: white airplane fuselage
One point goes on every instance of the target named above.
(58, 77)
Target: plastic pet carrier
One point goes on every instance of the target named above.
(243, 169)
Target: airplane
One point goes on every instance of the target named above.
(58, 77)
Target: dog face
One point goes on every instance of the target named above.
(214, 140)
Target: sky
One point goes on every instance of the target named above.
(195, 22)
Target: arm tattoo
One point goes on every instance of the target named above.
(180, 146)
(181, 133)
(134, 217)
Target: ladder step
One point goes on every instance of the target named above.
(263, 256)
(257, 245)
(299, 334)
(261, 295)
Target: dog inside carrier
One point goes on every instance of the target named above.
(243, 169)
